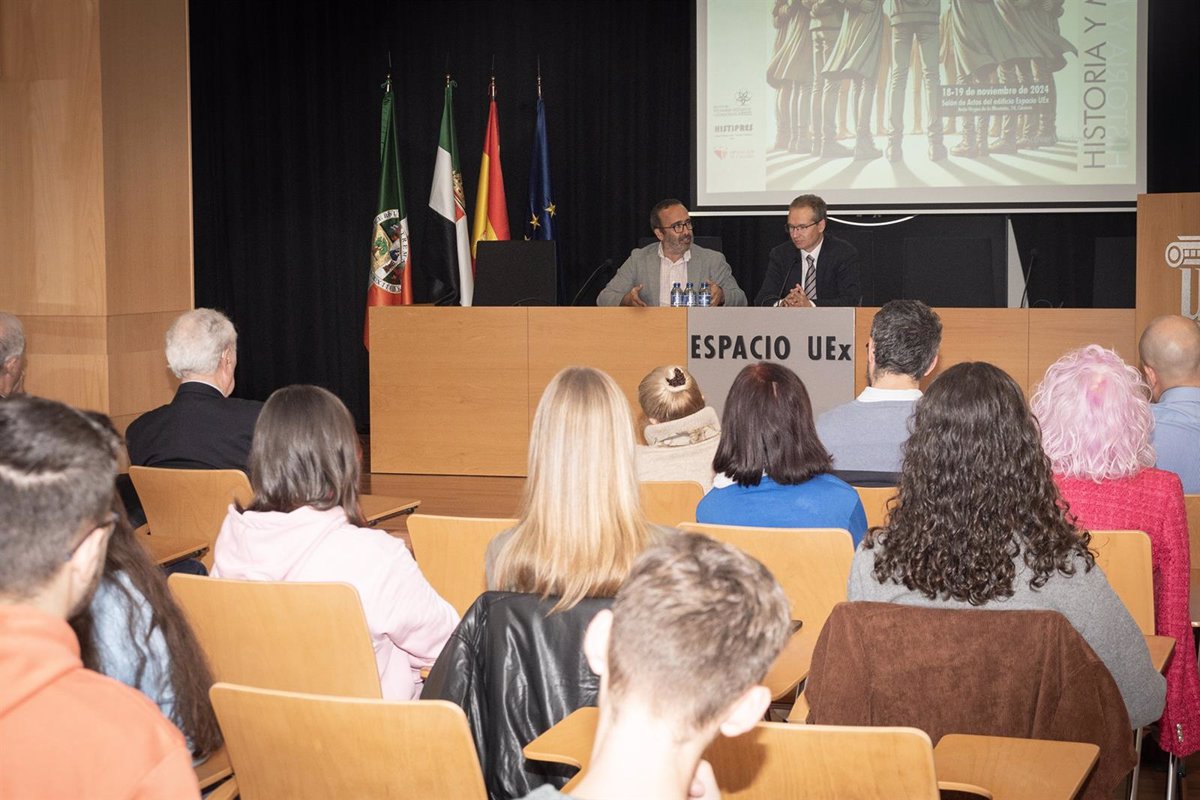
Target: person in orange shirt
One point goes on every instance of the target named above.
(66, 731)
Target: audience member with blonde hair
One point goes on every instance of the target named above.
(978, 523)
(682, 433)
(581, 523)
(773, 471)
(304, 524)
(1094, 410)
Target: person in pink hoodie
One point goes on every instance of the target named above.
(304, 524)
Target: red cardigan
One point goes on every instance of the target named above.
(1152, 501)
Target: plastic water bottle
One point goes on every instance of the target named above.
(676, 295)
(704, 299)
(689, 295)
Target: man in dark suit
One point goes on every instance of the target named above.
(202, 427)
(812, 269)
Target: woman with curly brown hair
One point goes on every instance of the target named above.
(978, 522)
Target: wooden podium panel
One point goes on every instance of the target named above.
(1168, 254)
(453, 390)
(624, 342)
(1055, 331)
(449, 390)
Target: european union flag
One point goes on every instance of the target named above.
(540, 222)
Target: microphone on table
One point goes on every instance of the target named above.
(607, 263)
(782, 286)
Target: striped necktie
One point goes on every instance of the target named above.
(810, 277)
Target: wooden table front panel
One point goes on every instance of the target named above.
(624, 342)
(449, 390)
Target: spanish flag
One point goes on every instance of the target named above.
(491, 213)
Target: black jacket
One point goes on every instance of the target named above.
(838, 280)
(516, 671)
(198, 429)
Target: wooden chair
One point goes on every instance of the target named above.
(821, 761)
(450, 551)
(671, 502)
(189, 503)
(290, 636)
(287, 744)
(812, 565)
(1125, 558)
(875, 500)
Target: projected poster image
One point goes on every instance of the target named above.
(894, 102)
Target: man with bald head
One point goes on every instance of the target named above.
(1170, 351)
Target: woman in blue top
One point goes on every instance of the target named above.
(772, 470)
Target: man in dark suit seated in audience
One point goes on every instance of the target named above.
(680, 657)
(66, 731)
(202, 427)
(866, 436)
(811, 269)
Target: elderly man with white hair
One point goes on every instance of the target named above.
(202, 427)
(12, 355)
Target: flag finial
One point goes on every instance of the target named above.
(492, 84)
(539, 77)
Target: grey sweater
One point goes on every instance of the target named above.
(866, 437)
(1085, 599)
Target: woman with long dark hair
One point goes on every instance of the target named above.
(304, 524)
(134, 631)
(978, 522)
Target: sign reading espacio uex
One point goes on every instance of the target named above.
(815, 343)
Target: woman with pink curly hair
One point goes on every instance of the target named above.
(1094, 410)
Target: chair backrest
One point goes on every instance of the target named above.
(875, 500)
(819, 761)
(1022, 674)
(286, 744)
(1124, 556)
(290, 636)
(671, 502)
(450, 551)
(1192, 501)
(811, 564)
(191, 503)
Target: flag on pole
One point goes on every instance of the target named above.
(391, 257)
(540, 224)
(451, 257)
(491, 212)
(542, 210)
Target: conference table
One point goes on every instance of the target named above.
(453, 390)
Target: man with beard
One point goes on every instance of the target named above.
(646, 277)
(66, 731)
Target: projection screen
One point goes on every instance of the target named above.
(917, 104)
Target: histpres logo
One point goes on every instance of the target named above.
(1184, 255)
(743, 96)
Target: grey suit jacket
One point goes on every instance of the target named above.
(642, 267)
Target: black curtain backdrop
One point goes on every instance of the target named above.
(285, 146)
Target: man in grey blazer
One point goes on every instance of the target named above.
(646, 276)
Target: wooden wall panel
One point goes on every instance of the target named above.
(624, 342)
(52, 205)
(147, 156)
(863, 317)
(95, 210)
(449, 391)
